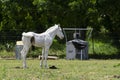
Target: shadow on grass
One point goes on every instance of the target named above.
(51, 67)
(17, 67)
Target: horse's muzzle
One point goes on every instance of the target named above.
(62, 37)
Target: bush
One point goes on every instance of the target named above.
(104, 50)
(6, 54)
(7, 46)
(101, 50)
(7, 50)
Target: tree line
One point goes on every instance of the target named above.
(17, 16)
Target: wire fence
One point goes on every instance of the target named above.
(8, 42)
(11, 36)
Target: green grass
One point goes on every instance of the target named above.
(67, 70)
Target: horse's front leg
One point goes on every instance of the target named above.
(43, 56)
(46, 56)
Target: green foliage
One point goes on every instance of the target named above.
(38, 15)
(6, 54)
(109, 12)
(104, 48)
(7, 50)
(101, 50)
(57, 49)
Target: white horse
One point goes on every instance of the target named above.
(43, 40)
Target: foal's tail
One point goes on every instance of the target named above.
(28, 37)
(29, 34)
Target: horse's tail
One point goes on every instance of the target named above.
(29, 34)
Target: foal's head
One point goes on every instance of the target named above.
(59, 32)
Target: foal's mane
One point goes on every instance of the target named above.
(51, 28)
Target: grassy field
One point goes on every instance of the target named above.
(67, 70)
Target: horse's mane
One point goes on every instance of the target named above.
(51, 28)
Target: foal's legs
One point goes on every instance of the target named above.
(23, 55)
(26, 46)
(46, 56)
(43, 56)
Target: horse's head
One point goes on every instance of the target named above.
(59, 31)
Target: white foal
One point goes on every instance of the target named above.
(43, 40)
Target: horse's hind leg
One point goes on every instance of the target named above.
(23, 55)
(26, 46)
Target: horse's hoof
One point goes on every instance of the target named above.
(46, 67)
(25, 67)
(41, 66)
